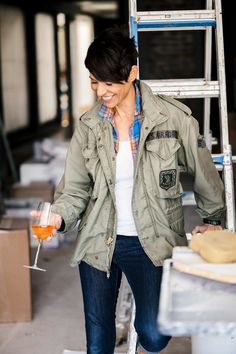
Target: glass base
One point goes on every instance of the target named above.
(35, 268)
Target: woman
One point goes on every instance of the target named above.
(122, 180)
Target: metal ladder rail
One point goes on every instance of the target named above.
(207, 75)
(124, 306)
(132, 335)
(225, 146)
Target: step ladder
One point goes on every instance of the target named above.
(207, 20)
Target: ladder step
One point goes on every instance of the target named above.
(185, 88)
(214, 141)
(219, 159)
(188, 19)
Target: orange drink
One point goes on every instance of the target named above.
(43, 232)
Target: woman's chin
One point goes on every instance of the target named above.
(109, 104)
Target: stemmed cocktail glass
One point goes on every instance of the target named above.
(42, 227)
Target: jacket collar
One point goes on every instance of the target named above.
(153, 109)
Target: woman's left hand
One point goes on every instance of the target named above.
(205, 227)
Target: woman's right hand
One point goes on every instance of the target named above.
(54, 219)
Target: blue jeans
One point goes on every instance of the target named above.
(100, 297)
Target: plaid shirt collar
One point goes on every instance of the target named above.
(108, 113)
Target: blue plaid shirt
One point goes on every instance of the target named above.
(134, 133)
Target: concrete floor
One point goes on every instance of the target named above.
(58, 321)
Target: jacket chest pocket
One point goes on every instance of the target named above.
(163, 160)
(91, 159)
(95, 171)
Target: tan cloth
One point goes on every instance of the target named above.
(215, 246)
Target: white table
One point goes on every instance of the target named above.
(195, 306)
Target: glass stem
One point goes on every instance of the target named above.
(37, 253)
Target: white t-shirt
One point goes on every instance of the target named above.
(124, 189)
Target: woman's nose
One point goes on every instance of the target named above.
(101, 89)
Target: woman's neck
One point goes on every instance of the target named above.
(124, 116)
(127, 106)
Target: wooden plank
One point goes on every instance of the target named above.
(188, 261)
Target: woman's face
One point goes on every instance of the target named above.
(112, 94)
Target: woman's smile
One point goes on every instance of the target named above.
(107, 98)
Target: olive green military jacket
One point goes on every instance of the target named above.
(169, 140)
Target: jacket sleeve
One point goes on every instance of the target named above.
(73, 192)
(208, 187)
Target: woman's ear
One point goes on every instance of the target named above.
(133, 73)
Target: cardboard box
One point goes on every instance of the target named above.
(36, 189)
(15, 288)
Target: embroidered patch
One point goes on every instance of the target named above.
(158, 134)
(167, 179)
(201, 141)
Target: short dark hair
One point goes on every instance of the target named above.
(111, 55)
